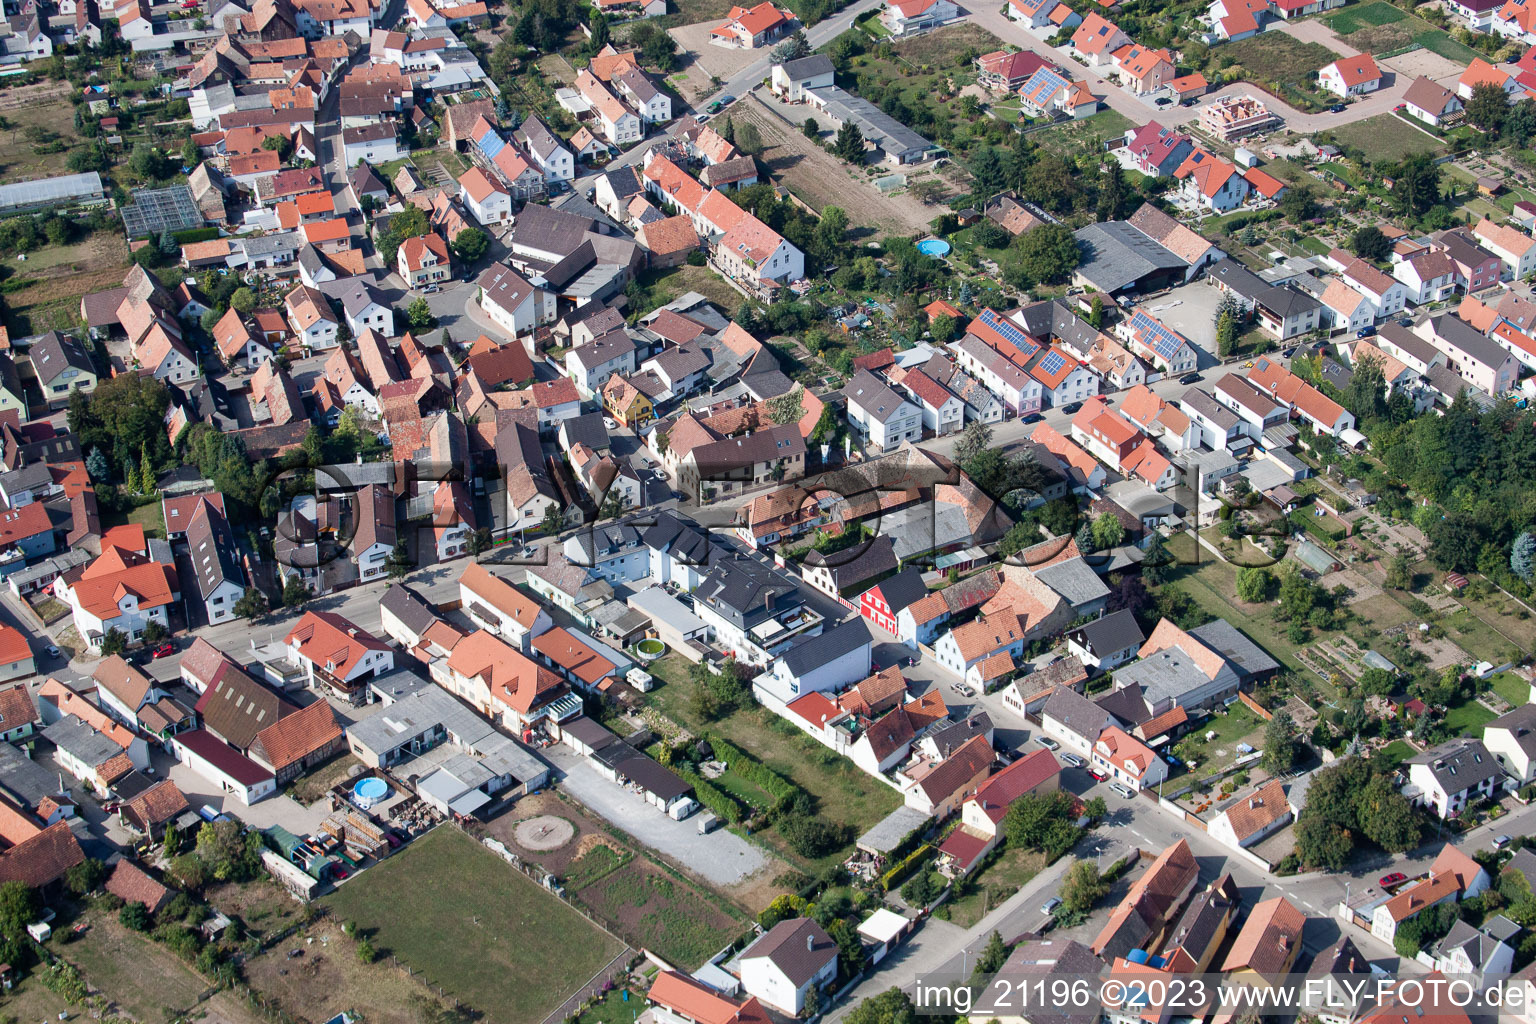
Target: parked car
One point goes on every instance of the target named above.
(1033, 417)
(165, 650)
(1071, 408)
(1124, 790)
(52, 651)
(1190, 378)
(1388, 881)
(1499, 842)
(1337, 108)
(1097, 775)
(1073, 760)
(1366, 331)
(1047, 743)
(1163, 101)
(1050, 905)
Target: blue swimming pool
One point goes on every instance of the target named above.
(369, 791)
(933, 247)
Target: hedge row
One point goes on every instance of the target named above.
(717, 800)
(754, 771)
(1315, 525)
(903, 868)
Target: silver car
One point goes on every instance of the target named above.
(1073, 760)
(1124, 790)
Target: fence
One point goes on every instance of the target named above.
(1254, 706)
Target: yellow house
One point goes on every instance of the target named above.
(626, 403)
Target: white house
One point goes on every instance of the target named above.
(509, 299)
(1074, 721)
(500, 608)
(828, 661)
(788, 966)
(1252, 817)
(311, 319)
(943, 412)
(334, 652)
(1447, 778)
(1515, 249)
(590, 365)
(1128, 760)
(1476, 952)
(545, 150)
(909, 17)
(1350, 76)
(1511, 739)
(793, 79)
(879, 414)
(371, 144)
(486, 198)
(120, 590)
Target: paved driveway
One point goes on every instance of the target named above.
(1314, 31)
(721, 858)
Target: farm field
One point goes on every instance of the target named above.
(474, 926)
(36, 115)
(1386, 137)
(1379, 27)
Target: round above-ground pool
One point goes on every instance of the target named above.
(933, 247)
(369, 791)
(650, 649)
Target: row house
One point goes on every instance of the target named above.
(1515, 249)
(1157, 343)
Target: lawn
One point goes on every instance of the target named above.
(660, 911)
(845, 794)
(994, 884)
(1397, 751)
(1280, 62)
(45, 291)
(1386, 138)
(474, 926)
(1086, 136)
(1213, 586)
(618, 1006)
(663, 286)
(1512, 688)
(1468, 719)
(1231, 727)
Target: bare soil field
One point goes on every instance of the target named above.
(329, 979)
(821, 179)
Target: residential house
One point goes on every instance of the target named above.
(1097, 39)
(215, 562)
(334, 652)
(1482, 362)
(1267, 945)
(424, 260)
(495, 605)
(1252, 817)
(1515, 249)
(1350, 76)
(1431, 102)
(879, 414)
(1448, 777)
(1107, 642)
(787, 967)
(751, 27)
(909, 17)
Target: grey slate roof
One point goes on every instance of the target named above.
(808, 67)
(873, 396)
(53, 353)
(1459, 764)
(786, 946)
(409, 607)
(902, 589)
(1054, 318)
(1116, 255)
(1465, 337)
(212, 550)
(1245, 656)
(1113, 632)
(829, 646)
(1074, 581)
(1076, 712)
(857, 564)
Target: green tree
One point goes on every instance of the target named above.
(1108, 531)
(419, 315)
(1487, 108)
(992, 956)
(1400, 572)
(1370, 244)
(1082, 889)
(85, 876)
(554, 519)
(1096, 313)
(1522, 556)
(975, 439)
(190, 155)
(1112, 190)
(1044, 255)
(810, 129)
(295, 592)
(1416, 184)
(1254, 584)
(893, 1006)
(252, 605)
(788, 407)
(793, 48)
(398, 565)
(134, 916)
(1280, 753)
(1095, 808)
(147, 478)
(115, 641)
(849, 144)
(365, 951)
(748, 139)
(167, 243)
(478, 542)
(20, 905)
(1298, 204)
(147, 162)
(1226, 333)
(154, 632)
(1041, 821)
(470, 244)
(282, 145)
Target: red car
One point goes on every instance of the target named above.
(1388, 881)
(165, 650)
(1100, 776)
(339, 872)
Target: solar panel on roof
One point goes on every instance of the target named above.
(1052, 363)
(1010, 333)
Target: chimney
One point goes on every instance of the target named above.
(810, 943)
